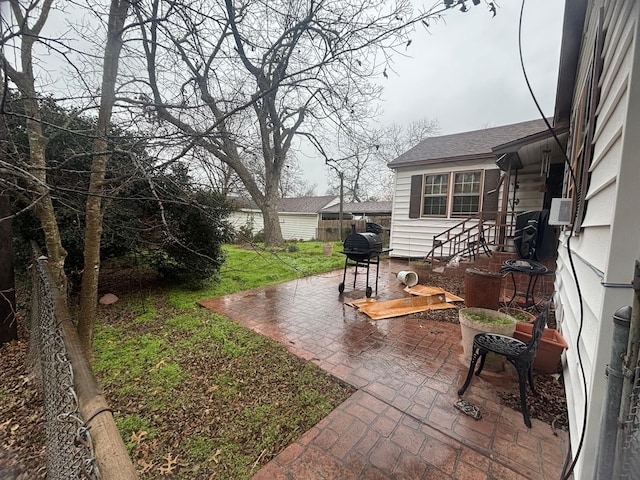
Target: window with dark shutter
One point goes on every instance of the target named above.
(583, 126)
(436, 188)
(466, 193)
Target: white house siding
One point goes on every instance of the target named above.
(240, 219)
(529, 194)
(299, 226)
(605, 250)
(413, 237)
(294, 226)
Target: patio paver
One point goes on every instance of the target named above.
(401, 422)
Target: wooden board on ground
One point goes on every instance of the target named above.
(428, 290)
(402, 306)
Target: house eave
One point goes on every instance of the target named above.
(572, 29)
(433, 161)
(521, 142)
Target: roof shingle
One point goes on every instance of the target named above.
(475, 144)
(290, 205)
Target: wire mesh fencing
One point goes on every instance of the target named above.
(70, 454)
(630, 449)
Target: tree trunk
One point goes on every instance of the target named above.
(8, 324)
(25, 81)
(272, 230)
(44, 209)
(94, 212)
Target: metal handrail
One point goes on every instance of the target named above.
(470, 239)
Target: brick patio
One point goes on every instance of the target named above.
(401, 422)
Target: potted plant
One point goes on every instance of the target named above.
(519, 314)
(483, 320)
(550, 348)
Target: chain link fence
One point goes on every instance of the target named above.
(70, 453)
(630, 451)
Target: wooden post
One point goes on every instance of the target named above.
(112, 458)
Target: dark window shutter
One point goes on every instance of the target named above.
(582, 172)
(490, 194)
(415, 197)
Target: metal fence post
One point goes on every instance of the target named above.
(628, 369)
(609, 427)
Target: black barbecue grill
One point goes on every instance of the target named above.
(362, 250)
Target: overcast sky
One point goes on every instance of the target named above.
(466, 72)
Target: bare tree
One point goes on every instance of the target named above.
(94, 209)
(243, 78)
(292, 182)
(30, 19)
(363, 154)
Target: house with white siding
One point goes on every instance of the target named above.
(596, 165)
(598, 98)
(451, 182)
(298, 216)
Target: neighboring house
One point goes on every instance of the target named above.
(598, 96)
(490, 174)
(361, 210)
(354, 215)
(298, 216)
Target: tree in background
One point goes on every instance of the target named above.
(29, 22)
(242, 79)
(161, 215)
(362, 157)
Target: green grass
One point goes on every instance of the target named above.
(247, 268)
(476, 317)
(219, 397)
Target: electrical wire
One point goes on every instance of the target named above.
(566, 472)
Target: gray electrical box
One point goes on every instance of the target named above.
(560, 213)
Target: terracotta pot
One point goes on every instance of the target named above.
(550, 348)
(482, 288)
(470, 328)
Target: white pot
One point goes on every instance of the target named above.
(470, 328)
(408, 278)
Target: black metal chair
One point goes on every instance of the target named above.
(520, 354)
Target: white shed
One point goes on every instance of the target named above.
(298, 216)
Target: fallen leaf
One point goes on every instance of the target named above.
(170, 465)
(157, 365)
(139, 437)
(146, 466)
(214, 458)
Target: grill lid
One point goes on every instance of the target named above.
(363, 243)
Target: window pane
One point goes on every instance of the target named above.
(466, 193)
(436, 184)
(467, 183)
(436, 188)
(435, 206)
(466, 204)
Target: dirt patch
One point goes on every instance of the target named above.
(22, 452)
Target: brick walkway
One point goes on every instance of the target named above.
(401, 422)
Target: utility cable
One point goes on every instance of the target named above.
(566, 473)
